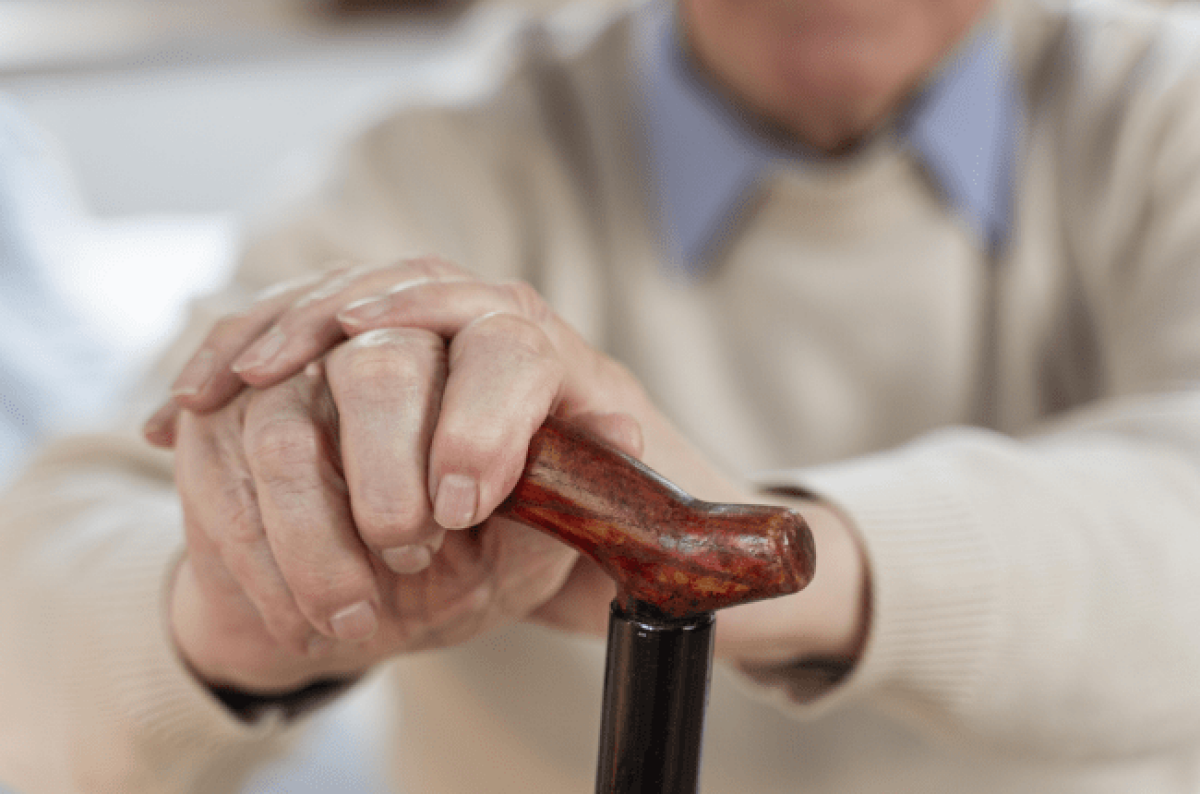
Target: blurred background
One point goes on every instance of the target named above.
(134, 136)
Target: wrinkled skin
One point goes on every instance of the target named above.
(322, 535)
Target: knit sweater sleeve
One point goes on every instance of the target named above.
(93, 694)
(1037, 589)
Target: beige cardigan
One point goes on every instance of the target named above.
(1035, 605)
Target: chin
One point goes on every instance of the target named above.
(855, 80)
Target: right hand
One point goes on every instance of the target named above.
(298, 497)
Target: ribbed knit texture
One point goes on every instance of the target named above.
(99, 669)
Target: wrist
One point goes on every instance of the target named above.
(828, 620)
(228, 653)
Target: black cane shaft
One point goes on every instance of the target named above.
(655, 694)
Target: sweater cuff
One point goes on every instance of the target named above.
(161, 691)
(152, 705)
(935, 584)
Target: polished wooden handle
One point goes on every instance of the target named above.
(677, 554)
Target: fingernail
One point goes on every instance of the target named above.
(194, 375)
(360, 311)
(319, 646)
(415, 557)
(261, 352)
(355, 623)
(457, 498)
(408, 559)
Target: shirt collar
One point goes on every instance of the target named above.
(706, 159)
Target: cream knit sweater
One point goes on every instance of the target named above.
(1017, 441)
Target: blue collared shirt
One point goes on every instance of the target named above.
(706, 159)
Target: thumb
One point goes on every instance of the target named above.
(616, 429)
(581, 605)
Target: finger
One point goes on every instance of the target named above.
(160, 428)
(224, 528)
(309, 328)
(446, 307)
(206, 382)
(504, 378)
(621, 430)
(387, 385)
(443, 307)
(447, 600)
(291, 444)
(582, 604)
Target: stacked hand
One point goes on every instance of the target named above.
(339, 511)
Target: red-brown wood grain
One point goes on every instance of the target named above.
(663, 547)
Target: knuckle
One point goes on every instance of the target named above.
(334, 284)
(379, 368)
(390, 337)
(280, 447)
(479, 447)
(528, 300)
(384, 518)
(317, 600)
(386, 357)
(512, 331)
(311, 322)
(240, 522)
(320, 596)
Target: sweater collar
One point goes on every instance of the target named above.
(706, 159)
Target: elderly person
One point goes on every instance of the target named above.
(929, 269)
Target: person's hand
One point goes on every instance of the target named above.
(512, 361)
(316, 507)
(312, 550)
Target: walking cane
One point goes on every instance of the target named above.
(676, 560)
